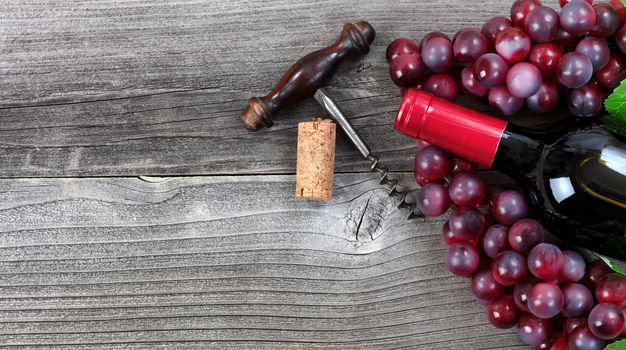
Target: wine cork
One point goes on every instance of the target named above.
(316, 159)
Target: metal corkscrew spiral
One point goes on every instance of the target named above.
(329, 104)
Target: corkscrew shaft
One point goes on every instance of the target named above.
(328, 103)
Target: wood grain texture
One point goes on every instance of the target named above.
(226, 262)
(127, 87)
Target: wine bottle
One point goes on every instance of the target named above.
(575, 180)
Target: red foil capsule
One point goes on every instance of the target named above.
(467, 133)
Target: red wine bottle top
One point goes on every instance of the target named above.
(467, 133)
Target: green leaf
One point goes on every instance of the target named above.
(620, 344)
(614, 123)
(624, 3)
(615, 104)
(614, 267)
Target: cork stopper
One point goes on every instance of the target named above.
(316, 159)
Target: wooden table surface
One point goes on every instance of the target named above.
(137, 212)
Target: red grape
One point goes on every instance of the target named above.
(546, 57)
(432, 163)
(520, 10)
(574, 70)
(563, 2)
(495, 240)
(466, 189)
(438, 54)
(485, 287)
(400, 47)
(532, 330)
(614, 72)
(469, 44)
(582, 339)
(525, 234)
(432, 35)
(503, 102)
(585, 101)
(508, 268)
(607, 20)
(542, 24)
(620, 39)
(407, 70)
(442, 85)
(508, 207)
(513, 45)
(545, 99)
(578, 300)
(490, 70)
(493, 27)
(461, 164)
(596, 51)
(470, 85)
(606, 321)
(502, 312)
(612, 289)
(560, 343)
(523, 80)
(467, 223)
(433, 199)
(578, 17)
(462, 259)
(565, 39)
(546, 261)
(572, 323)
(420, 179)
(596, 270)
(545, 300)
(573, 267)
(521, 292)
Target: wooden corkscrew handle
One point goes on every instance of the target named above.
(310, 73)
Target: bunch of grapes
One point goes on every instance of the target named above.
(552, 296)
(532, 58)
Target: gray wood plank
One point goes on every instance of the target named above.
(226, 262)
(109, 88)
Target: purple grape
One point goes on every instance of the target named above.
(466, 189)
(545, 261)
(520, 10)
(447, 235)
(513, 45)
(572, 323)
(578, 17)
(565, 39)
(508, 268)
(462, 165)
(585, 101)
(467, 223)
(495, 240)
(620, 38)
(564, 2)
(596, 51)
(523, 80)
(582, 339)
(561, 342)
(400, 47)
(594, 273)
(521, 292)
(542, 24)
(407, 70)
(574, 69)
(432, 163)
(611, 288)
(469, 44)
(614, 72)
(503, 102)
(485, 287)
(606, 321)
(433, 199)
(578, 300)
(573, 267)
(432, 35)
(545, 300)
(462, 259)
(508, 207)
(546, 57)
(502, 312)
(442, 85)
(607, 20)
(438, 54)
(470, 85)
(545, 99)
(532, 330)
(493, 27)
(490, 70)
(525, 234)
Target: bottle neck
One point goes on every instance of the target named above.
(475, 136)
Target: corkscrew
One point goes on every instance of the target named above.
(307, 77)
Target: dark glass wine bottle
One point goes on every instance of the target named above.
(574, 178)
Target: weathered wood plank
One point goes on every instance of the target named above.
(155, 87)
(226, 262)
